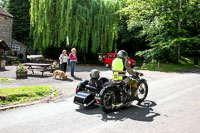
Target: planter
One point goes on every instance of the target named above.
(21, 75)
(2, 64)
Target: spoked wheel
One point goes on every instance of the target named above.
(142, 91)
(107, 101)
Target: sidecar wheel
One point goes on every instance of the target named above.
(107, 101)
(142, 91)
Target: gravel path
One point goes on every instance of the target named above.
(67, 87)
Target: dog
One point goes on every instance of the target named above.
(60, 73)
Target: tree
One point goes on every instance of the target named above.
(4, 3)
(166, 25)
(89, 25)
(21, 21)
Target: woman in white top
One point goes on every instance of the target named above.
(64, 60)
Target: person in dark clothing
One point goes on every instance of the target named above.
(94, 81)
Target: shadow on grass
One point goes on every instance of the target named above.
(192, 70)
(143, 112)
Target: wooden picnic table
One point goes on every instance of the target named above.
(43, 65)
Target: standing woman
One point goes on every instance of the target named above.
(64, 60)
(73, 60)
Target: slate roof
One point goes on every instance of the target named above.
(5, 13)
(3, 45)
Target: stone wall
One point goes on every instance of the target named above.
(23, 48)
(6, 29)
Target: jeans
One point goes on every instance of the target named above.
(73, 64)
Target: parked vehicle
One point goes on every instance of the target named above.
(111, 56)
(113, 94)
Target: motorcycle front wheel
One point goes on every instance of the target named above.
(107, 101)
(142, 91)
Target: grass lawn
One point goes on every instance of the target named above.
(24, 94)
(184, 63)
(4, 80)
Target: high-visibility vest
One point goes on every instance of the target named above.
(117, 68)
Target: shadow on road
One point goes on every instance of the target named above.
(67, 79)
(141, 112)
(88, 68)
(77, 78)
(4, 70)
(39, 76)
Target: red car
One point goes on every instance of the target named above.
(111, 56)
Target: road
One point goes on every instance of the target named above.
(172, 106)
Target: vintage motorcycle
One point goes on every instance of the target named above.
(113, 94)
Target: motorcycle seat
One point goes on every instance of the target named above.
(91, 88)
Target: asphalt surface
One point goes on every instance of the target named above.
(172, 106)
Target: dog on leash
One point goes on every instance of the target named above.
(59, 73)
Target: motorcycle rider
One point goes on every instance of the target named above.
(120, 65)
(94, 81)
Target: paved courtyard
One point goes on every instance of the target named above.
(67, 87)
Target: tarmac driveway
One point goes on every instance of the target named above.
(67, 87)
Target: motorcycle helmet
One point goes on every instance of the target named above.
(94, 74)
(122, 54)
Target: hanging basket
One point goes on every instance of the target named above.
(21, 75)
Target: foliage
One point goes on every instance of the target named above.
(20, 55)
(166, 25)
(21, 20)
(90, 25)
(21, 68)
(4, 80)
(129, 40)
(55, 64)
(24, 94)
(4, 3)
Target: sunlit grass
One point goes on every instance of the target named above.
(184, 63)
(24, 94)
(4, 80)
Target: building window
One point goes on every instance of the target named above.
(16, 47)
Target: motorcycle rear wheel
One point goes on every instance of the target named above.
(142, 89)
(107, 101)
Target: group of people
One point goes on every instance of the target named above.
(119, 65)
(64, 60)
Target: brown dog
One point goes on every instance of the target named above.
(60, 73)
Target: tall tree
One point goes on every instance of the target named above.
(166, 25)
(4, 3)
(90, 25)
(21, 23)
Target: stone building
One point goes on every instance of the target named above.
(6, 21)
(19, 47)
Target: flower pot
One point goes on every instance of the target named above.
(21, 75)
